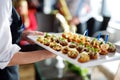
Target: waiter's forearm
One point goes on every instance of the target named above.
(30, 57)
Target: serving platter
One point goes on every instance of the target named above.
(92, 62)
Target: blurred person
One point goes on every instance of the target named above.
(78, 9)
(106, 5)
(95, 17)
(36, 4)
(28, 17)
(86, 15)
(9, 50)
(63, 14)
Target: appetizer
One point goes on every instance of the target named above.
(104, 49)
(46, 41)
(72, 53)
(63, 41)
(84, 57)
(52, 44)
(57, 47)
(95, 43)
(48, 36)
(82, 39)
(40, 39)
(65, 50)
(72, 44)
(112, 47)
(80, 48)
(93, 53)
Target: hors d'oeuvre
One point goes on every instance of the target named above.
(66, 35)
(57, 47)
(82, 39)
(84, 57)
(75, 37)
(63, 41)
(53, 38)
(47, 35)
(72, 37)
(80, 48)
(94, 53)
(72, 45)
(112, 47)
(87, 42)
(65, 50)
(73, 53)
(95, 43)
(104, 49)
(46, 41)
(78, 40)
(86, 49)
(52, 44)
(40, 39)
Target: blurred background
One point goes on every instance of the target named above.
(75, 16)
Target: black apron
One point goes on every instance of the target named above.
(12, 73)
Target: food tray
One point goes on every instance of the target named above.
(101, 59)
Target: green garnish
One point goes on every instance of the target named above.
(95, 50)
(47, 35)
(61, 38)
(110, 44)
(101, 42)
(94, 39)
(88, 47)
(72, 42)
(81, 43)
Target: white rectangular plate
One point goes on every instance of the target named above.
(101, 59)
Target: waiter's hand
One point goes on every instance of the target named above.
(29, 32)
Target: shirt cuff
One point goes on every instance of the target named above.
(8, 55)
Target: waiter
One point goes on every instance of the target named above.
(9, 52)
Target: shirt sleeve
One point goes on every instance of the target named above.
(7, 49)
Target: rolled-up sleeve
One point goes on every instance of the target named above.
(7, 49)
(7, 54)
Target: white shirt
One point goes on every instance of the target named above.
(79, 8)
(85, 9)
(7, 49)
(72, 6)
(90, 9)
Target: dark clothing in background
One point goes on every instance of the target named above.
(105, 23)
(16, 27)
